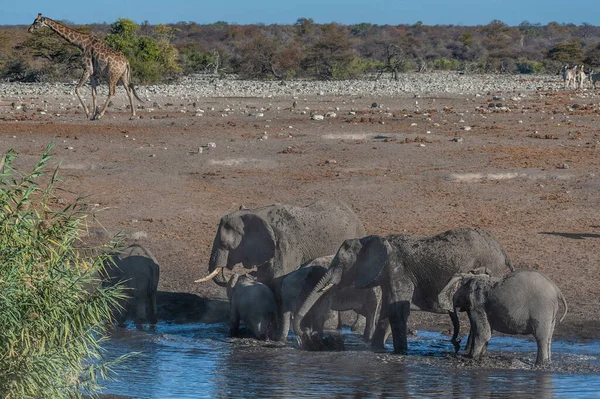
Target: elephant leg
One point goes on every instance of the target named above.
(543, 337)
(140, 311)
(234, 322)
(398, 315)
(151, 309)
(382, 330)
(456, 326)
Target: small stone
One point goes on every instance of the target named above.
(467, 128)
(457, 139)
(317, 117)
(331, 115)
(212, 145)
(374, 105)
(330, 161)
(564, 166)
(152, 155)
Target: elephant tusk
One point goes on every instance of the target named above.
(327, 287)
(210, 276)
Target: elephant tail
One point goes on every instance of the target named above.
(564, 301)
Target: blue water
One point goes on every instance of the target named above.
(200, 361)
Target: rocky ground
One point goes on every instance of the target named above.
(515, 155)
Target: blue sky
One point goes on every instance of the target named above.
(381, 12)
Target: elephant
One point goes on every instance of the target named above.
(277, 239)
(298, 284)
(411, 272)
(522, 302)
(254, 304)
(136, 268)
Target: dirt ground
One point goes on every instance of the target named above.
(526, 171)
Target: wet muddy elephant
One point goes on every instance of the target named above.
(137, 269)
(411, 272)
(277, 239)
(522, 302)
(298, 285)
(253, 304)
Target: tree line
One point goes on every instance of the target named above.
(305, 49)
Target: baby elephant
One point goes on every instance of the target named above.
(522, 302)
(254, 304)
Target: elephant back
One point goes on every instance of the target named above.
(322, 226)
(432, 261)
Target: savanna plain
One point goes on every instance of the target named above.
(522, 163)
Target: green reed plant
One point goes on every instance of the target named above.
(54, 313)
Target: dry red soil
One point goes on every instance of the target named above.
(529, 175)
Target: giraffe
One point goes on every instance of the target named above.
(99, 61)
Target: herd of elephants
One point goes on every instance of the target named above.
(311, 260)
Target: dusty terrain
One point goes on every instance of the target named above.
(526, 169)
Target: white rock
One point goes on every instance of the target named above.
(317, 117)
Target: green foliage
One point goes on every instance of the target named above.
(446, 64)
(567, 52)
(152, 58)
(194, 61)
(592, 55)
(53, 311)
(529, 67)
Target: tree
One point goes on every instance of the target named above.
(567, 52)
(152, 58)
(330, 55)
(53, 310)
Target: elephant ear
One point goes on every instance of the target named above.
(446, 296)
(258, 240)
(371, 261)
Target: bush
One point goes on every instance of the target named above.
(152, 59)
(446, 64)
(53, 311)
(529, 67)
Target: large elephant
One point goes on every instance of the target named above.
(297, 285)
(253, 303)
(137, 269)
(522, 302)
(411, 272)
(278, 238)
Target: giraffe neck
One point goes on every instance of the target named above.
(79, 39)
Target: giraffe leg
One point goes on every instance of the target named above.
(111, 94)
(84, 78)
(94, 83)
(125, 82)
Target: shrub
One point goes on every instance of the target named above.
(53, 311)
(152, 58)
(529, 67)
(446, 64)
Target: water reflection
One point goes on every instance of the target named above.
(197, 361)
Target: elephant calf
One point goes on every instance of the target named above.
(138, 271)
(253, 303)
(522, 302)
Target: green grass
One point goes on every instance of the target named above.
(54, 314)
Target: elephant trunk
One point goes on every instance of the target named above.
(285, 326)
(316, 293)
